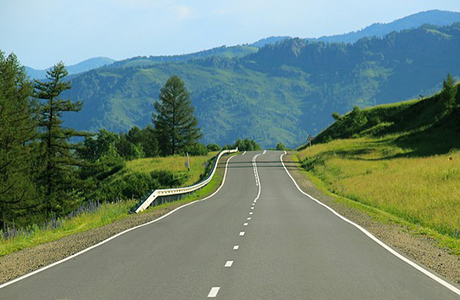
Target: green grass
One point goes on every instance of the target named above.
(375, 172)
(175, 164)
(108, 213)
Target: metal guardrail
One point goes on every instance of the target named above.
(177, 191)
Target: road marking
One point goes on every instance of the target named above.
(213, 292)
(245, 224)
(372, 237)
(251, 213)
(229, 263)
(252, 207)
(265, 151)
(256, 174)
(117, 235)
(236, 247)
(241, 233)
(249, 218)
(243, 153)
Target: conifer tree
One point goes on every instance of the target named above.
(58, 158)
(17, 129)
(175, 124)
(448, 92)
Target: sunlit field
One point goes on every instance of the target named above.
(420, 190)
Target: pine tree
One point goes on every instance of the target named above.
(17, 129)
(175, 124)
(448, 92)
(58, 158)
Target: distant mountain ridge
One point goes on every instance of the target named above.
(81, 67)
(433, 17)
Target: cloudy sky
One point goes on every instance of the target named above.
(43, 32)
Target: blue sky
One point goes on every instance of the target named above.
(44, 32)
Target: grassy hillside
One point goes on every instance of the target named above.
(403, 159)
(278, 94)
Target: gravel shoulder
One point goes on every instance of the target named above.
(417, 248)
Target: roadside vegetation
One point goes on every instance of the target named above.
(97, 214)
(56, 181)
(401, 159)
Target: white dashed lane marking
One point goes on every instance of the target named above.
(241, 233)
(213, 292)
(229, 263)
(236, 247)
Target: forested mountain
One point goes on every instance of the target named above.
(83, 66)
(280, 93)
(432, 17)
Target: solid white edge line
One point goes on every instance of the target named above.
(372, 237)
(213, 292)
(115, 236)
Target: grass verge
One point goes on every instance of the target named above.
(372, 174)
(105, 214)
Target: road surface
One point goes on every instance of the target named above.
(257, 238)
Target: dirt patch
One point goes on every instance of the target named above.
(418, 248)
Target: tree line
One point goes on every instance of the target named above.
(47, 169)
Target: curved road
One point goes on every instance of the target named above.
(257, 238)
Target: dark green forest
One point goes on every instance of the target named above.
(281, 93)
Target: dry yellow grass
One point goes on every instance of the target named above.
(421, 190)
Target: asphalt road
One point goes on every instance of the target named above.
(283, 246)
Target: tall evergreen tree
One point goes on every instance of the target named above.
(17, 129)
(448, 92)
(58, 158)
(175, 123)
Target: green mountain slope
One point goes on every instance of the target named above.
(432, 17)
(280, 93)
(427, 126)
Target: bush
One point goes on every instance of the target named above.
(280, 146)
(197, 150)
(213, 147)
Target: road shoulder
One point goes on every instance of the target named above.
(417, 248)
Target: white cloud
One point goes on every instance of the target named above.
(183, 11)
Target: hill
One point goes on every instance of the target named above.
(425, 126)
(398, 162)
(432, 17)
(83, 66)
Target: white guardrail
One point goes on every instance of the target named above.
(177, 191)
